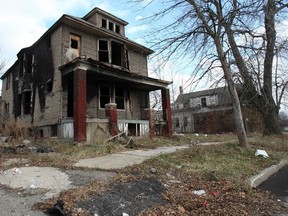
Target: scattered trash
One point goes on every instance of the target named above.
(215, 193)
(261, 153)
(170, 176)
(206, 135)
(96, 214)
(32, 186)
(153, 170)
(199, 192)
(16, 170)
(44, 149)
(58, 209)
(196, 134)
(125, 214)
(26, 142)
(206, 203)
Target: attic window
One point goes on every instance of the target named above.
(104, 23)
(111, 26)
(117, 29)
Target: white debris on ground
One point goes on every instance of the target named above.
(261, 153)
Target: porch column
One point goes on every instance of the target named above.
(79, 105)
(167, 113)
(149, 114)
(111, 113)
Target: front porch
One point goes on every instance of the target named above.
(99, 99)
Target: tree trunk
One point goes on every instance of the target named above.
(270, 110)
(240, 128)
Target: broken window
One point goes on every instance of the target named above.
(8, 80)
(74, 47)
(185, 121)
(6, 108)
(117, 51)
(117, 29)
(203, 102)
(49, 86)
(104, 23)
(119, 97)
(104, 96)
(103, 51)
(111, 26)
(177, 122)
(27, 102)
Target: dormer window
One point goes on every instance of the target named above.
(104, 23)
(117, 29)
(111, 26)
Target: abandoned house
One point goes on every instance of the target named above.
(83, 78)
(210, 111)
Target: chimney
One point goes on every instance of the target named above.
(181, 90)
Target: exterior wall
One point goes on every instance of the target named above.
(138, 63)
(52, 110)
(181, 127)
(7, 97)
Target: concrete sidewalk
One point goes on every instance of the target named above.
(127, 158)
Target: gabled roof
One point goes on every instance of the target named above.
(182, 98)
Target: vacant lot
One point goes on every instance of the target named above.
(201, 180)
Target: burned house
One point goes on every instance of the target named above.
(210, 111)
(82, 78)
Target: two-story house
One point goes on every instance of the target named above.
(210, 111)
(83, 76)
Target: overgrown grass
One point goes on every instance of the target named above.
(223, 161)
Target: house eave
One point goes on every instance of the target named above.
(116, 73)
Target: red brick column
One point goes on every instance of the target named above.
(79, 106)
(111, 113)
(167, 113)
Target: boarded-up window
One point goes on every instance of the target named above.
(104, 96)
(103, 51)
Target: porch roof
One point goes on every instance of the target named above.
(114, 73)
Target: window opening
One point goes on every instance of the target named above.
(104, 23)
(117, 50)
(104, 96)
(103, 51)
(177, 122)
(111, 26)
(49, 86)
(203, 102)
(8, 81)
(119, 97)
(117, 29)
(27, 102)
(185, 121)
(7, 108)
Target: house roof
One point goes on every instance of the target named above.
(106, 14)
(83, 24)
(115, 73)
(223, 91)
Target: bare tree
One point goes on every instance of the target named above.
(238, 36)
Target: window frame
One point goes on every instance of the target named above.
(104, 95)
